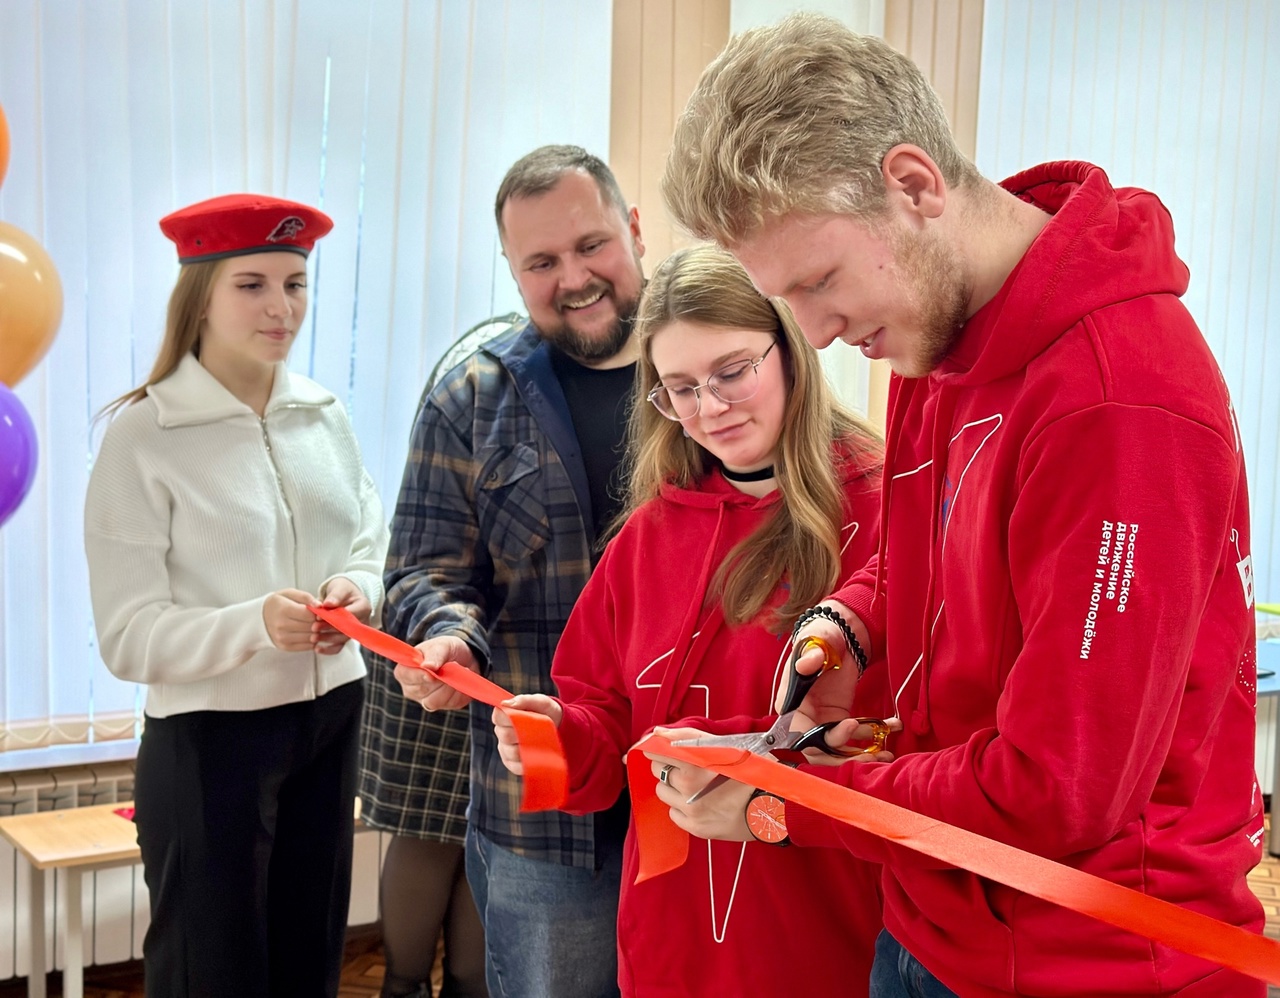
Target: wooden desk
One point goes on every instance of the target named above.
(75, 840)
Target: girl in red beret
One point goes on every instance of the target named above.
(229, 495)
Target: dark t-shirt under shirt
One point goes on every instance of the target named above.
(599, 402)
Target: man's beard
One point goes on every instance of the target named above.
(939, 292)
(587, 349)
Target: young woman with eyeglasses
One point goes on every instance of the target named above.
(751, 493)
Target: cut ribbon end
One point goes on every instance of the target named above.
(662, 846)
(546, 772)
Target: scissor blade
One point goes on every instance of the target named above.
(779, 735)
(778, 740)
(749, 741)
(787, 756)
(716, 781)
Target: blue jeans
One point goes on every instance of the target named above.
(898, 974)
(550, 931)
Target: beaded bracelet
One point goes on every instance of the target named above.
(825, 612)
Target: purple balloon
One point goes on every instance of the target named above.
(17, 453)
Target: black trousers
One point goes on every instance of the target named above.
(245, 825)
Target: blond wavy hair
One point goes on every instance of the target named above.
(797, 117)
(187, 304)
(801, 539)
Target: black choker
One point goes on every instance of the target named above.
(763, 475)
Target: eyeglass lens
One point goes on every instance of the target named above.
(736, 382)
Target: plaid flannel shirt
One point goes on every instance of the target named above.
(492, 541)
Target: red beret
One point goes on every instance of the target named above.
(240, 224)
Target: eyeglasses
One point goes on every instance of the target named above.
(734, 382)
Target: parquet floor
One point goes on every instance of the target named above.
(362, 971)
(1265, 881)
(361, 975)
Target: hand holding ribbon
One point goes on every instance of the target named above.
(662, 847)
(421, 682)
(546, 772)
(509, 747)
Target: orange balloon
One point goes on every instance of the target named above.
(4, 145)
(30, 303)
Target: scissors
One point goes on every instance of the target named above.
(780, 741)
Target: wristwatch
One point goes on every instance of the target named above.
(767, 818)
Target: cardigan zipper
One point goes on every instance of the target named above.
(288, 512)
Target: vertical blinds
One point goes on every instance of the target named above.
(397, 117)
(1181, 97)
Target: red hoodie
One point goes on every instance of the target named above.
(1070, 644)
(737, 918)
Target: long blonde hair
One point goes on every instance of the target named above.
(187, 305)
(801, 540)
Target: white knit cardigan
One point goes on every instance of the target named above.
(197, 510)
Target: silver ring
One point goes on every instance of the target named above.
(664, 774)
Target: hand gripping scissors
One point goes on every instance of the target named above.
(780, 741)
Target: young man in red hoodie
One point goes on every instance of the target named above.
(1062, 596)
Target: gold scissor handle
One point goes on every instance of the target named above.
(830, 659)
(879, 734)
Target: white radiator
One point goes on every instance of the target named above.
(116, 910)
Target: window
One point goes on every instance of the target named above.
(397, 117)
(1181, 98)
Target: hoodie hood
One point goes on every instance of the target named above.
(1103, 246)
(714, 491)
(714, 515)
(709, 497)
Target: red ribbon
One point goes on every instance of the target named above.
(663, 847)
(546, 773)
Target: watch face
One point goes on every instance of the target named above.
(766, 818)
